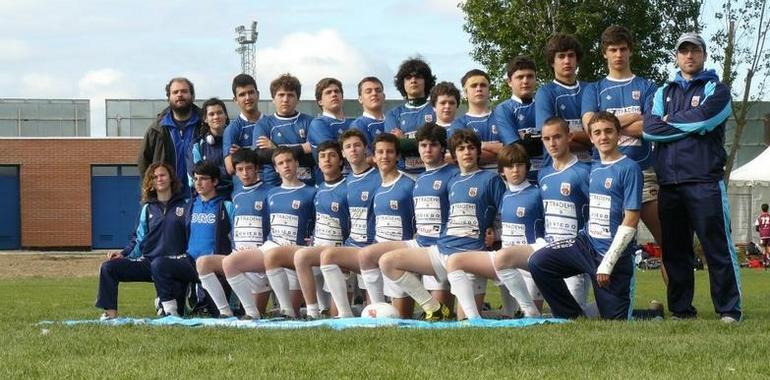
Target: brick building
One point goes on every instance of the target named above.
(55, 177)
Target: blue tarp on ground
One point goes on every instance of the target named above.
(335, 324)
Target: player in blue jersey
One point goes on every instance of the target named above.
(515, 117)
(562, 97)
(332, 122)
(626, 96)
(604, 249)
(521, 214)
(363, 181)
(414, 81)
(479, 119)
(286, 127)
(154, 248)
(210, 146)
(474, 197)
(332, 227)
(240, 131)
(209, 224)
(564, 189)
(249, 230)
(291, 213)
(393, 210)
(445, 98)
(371, 95)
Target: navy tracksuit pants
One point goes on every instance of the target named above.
(170, 274)
(701, 208)
(550, 265)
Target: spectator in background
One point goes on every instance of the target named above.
(170, 136)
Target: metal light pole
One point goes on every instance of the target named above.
(246, 39)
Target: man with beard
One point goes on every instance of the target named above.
(170, 136)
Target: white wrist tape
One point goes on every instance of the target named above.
(623, 236)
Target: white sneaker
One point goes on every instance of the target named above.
(106, 317)
(728, 320)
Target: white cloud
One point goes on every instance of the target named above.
(312, 56)
(39, 85)
(102, 81)
(98, 85)
(14, 50)
(444, 6)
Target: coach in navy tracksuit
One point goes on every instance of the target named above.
(156, 252)
(686, 120)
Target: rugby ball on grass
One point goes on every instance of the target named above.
(380, 310)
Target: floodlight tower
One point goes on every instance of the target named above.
(246, 39)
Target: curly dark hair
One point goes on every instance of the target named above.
(417, 67)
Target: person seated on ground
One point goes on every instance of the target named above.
(157, 247)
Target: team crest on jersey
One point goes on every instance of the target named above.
(394, 205)
(636, 94)
(521, 117)
(302, 133)
(428, 118)
(494, 129)
(179, 211)
(258, 205)
(695, 101)
(608, 183)
(473, 191)
(335, 206)
(520, 211)
(295, 204)
(565, 189)
(436, 185)
(364, 195)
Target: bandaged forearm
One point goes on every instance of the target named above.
(623, 237)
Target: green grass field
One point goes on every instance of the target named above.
(703, 348)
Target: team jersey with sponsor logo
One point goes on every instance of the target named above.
(394, 210)
(565, 199)
(292, 214)
(203, 226)
(620, 97)
(361, 190)
(249, 227)
(521, 214)
(370, 127)
(332, 222)
(409, 119)
(431, 203)
(513, 119)
(474, 200)
(558, 99)
(284, 131)
(615, 186)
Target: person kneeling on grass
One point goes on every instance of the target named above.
(291, 213)
(474, 198)
(157, 247)
(521, 214)
(604, 249)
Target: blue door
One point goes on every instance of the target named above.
(10, 228)
(114, 205)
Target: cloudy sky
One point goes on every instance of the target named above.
(129, 49)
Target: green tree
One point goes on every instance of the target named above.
(740, 48)
(502, 29)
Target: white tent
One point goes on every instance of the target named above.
(749, 187)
